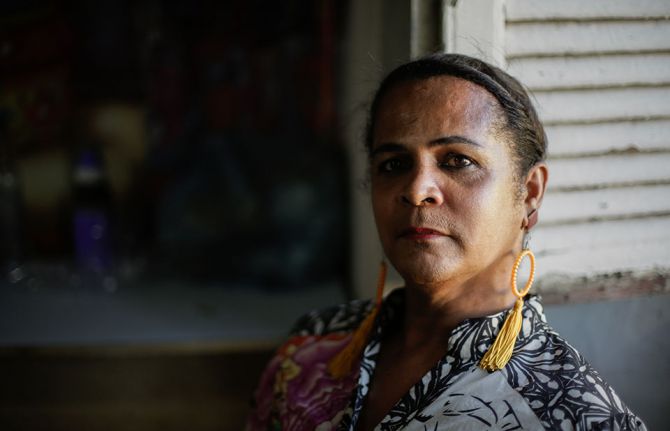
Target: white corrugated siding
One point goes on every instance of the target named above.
(600, 73)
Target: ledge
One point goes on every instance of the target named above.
(561, 289)
(155, 316)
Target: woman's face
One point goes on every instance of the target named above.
(444, 193)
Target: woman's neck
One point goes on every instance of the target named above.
(432, 311)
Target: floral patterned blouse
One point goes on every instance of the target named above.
(546, 385)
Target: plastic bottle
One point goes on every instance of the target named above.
(92, 225)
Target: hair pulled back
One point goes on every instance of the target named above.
(527, 138)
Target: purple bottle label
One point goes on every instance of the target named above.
(92, 239)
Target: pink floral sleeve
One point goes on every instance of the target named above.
(296, 392)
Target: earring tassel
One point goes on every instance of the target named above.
(343, 363)
(501, 351)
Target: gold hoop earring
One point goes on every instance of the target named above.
(501, 351)
(515, 269)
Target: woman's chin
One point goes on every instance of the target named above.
(426, 272)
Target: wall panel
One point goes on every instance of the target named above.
(600, 74)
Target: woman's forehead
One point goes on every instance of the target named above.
(437, 102)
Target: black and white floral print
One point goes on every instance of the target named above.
(546, 385)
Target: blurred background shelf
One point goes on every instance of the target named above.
(154, 313)
(160, 356)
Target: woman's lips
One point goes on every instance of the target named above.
(420, 233)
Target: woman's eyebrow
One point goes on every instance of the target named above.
(454, 139)
(390, 147)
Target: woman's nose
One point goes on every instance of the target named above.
(422, 188)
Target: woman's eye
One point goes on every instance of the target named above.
(457, 161)
(391, 165)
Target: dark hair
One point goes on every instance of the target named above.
(527, 137)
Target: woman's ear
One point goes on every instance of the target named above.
(535, 186)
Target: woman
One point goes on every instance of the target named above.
(457, 179)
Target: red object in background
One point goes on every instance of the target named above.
(38, 106)
(35, 59)
(33, 44)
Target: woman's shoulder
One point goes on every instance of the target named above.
(565, 388)
(339, 318)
